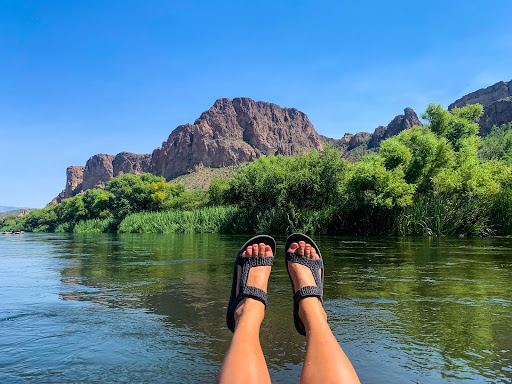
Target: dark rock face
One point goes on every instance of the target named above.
(234, 132)
(98, 171)
(358, 139)
(400, 123)
(377, 136)
(127, 162)
(498, 113)
(485, 96)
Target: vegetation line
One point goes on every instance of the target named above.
(441, 179)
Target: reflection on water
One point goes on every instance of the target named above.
(151, 308)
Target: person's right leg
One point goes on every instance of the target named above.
(244, 362)
(325, 361)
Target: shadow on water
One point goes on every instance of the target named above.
(95, 308)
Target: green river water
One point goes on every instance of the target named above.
(151, 308)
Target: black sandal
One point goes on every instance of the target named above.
(315, 266)
(243, 289)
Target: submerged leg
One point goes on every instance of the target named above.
(325, 361)
(244, 362)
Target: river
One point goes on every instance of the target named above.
(151, 308)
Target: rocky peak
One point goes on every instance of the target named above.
(485, 96)
(232, 132)
(400, 123)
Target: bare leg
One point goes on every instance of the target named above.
(325, 361)
(244, 362)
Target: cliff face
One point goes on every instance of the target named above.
(234, 132)
(98, 171)
(485, 96)
(126, 162)
(498, 113)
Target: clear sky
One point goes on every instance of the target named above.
(84, 77)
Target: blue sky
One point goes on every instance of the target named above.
(84, 77)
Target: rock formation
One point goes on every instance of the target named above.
(485, 96)
(497, 103)
(358, 139)
(98, 171)
(498, 113)
(233, 132)
(401, 122)
(127, 162)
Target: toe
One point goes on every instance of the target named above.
(268, 251)
(261, 249)
(314, 255)
(249, 251)
(293, 247)
(244, 254)
(307, 251)
(255, 250)
(302, 246)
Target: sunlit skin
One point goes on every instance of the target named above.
(325, 361)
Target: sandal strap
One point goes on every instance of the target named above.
(253, 293)
(314, 265)
(308, 291)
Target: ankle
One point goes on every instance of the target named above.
(250, 311)
(312, 313)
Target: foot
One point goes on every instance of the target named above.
(258, 277)
(302, 277)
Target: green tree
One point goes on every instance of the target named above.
(456, 125)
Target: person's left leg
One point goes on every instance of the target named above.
(244, 361)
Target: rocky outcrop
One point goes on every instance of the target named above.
(485, 96)
(358, 139)
(400, 123)
(127, 162)
(498, 113)
(233, 132)
(98, 171)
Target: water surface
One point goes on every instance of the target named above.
(151, 308)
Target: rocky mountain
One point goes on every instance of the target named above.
(401, 122)
(355, 145)
(231, 132)
(485, 96)
(497, 103)
(237, 131)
